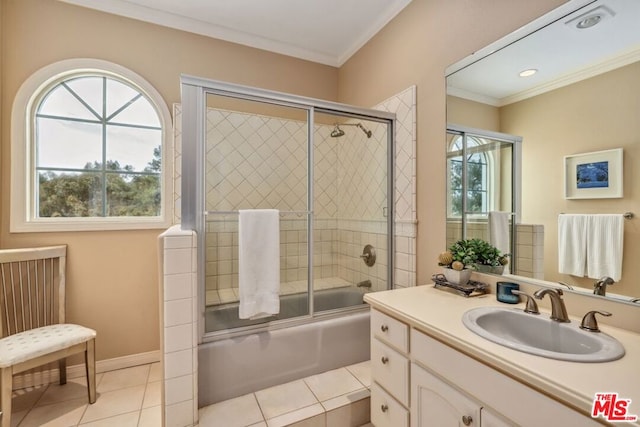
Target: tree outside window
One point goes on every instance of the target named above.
(477, 177)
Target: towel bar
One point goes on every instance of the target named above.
(626, 215)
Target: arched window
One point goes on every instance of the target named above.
(477, 176)
(93, 154)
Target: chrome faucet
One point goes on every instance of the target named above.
(558, 309)
(364, 284)
(564, 284)
(600, 287)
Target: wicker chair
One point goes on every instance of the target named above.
(32, 316)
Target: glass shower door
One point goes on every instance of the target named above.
(350, 201)
(255, 158)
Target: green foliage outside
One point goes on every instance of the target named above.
(80, 194)
(475, 181)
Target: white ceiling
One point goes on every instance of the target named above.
(324, 31)
(562, 54)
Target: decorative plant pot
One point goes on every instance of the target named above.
(459, 277)
(481, 268)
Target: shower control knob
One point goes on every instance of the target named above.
(384, 360)
(369, 255)
(384, 328)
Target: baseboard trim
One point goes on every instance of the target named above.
(48, 376)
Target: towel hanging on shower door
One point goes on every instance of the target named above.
(259, 263)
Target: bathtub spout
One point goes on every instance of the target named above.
(364, 284)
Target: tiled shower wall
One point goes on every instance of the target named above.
(258, 161)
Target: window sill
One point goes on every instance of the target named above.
(88, 224)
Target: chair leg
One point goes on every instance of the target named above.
(90, 363)
(62, 369)
(6, 386)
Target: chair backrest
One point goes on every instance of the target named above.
(32, 288)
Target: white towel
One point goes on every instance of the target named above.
(259, 263)
(572, 244)
(605, 235)
(499, 231)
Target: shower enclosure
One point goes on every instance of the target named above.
(326, 167)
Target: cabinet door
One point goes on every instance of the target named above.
(435, 403)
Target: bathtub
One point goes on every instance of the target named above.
(236, 366)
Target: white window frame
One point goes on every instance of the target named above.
(492, 178)
(23, 217)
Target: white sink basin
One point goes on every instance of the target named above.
(539, 335)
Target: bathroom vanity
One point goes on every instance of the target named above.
(428, 369)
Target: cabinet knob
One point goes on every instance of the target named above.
(384, 407)
(384, 328)
(384, 360)
(467, 420)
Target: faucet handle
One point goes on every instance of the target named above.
(531, 307)
(589, 322)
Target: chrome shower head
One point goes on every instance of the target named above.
(337, 132)
(366, 131)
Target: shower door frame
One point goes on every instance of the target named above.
(516, 180)
(194, 91)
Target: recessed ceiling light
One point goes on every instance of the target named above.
(528, 73)
(589, 21)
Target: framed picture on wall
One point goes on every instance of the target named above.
(595, 175)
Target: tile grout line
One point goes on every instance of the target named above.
(264, 418)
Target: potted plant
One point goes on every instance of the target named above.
(471, 254)
(488, 258)
(457, 262)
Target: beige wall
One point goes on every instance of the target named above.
(112, 276)
(415, 48)
(600, 113)
(472, 114)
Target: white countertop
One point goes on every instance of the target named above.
(438, 313)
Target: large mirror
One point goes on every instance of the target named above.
(568, 85)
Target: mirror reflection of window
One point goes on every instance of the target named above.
(478, 165)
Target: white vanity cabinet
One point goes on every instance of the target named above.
(419, 381)
(389, 371)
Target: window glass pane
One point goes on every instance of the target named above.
(132, 148)
(118, 94)
(133, 195)
(65, 194)
(139, 113)
(90, 89)
(71, 149)
(60, 102)
(67, 144)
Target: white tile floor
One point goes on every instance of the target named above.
(335, 398)
(131, 397)
(126, 398)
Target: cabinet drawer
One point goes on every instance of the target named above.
(390, 369)
(390, 330)
(385, 411)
